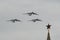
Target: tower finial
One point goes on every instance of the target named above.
(48, 36)
(48, 26)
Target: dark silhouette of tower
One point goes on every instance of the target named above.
(48, 35)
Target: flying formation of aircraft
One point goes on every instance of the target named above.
(32, 13)
(14, 20)
(34, 20)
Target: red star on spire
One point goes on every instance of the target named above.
(48, 26)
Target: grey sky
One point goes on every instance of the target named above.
(48, 10)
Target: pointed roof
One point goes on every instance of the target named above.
(48, 36)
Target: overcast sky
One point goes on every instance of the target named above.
(48, 10)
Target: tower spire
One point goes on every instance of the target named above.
(48, 36)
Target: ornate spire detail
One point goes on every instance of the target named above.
(48, 26)
(48, 36)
